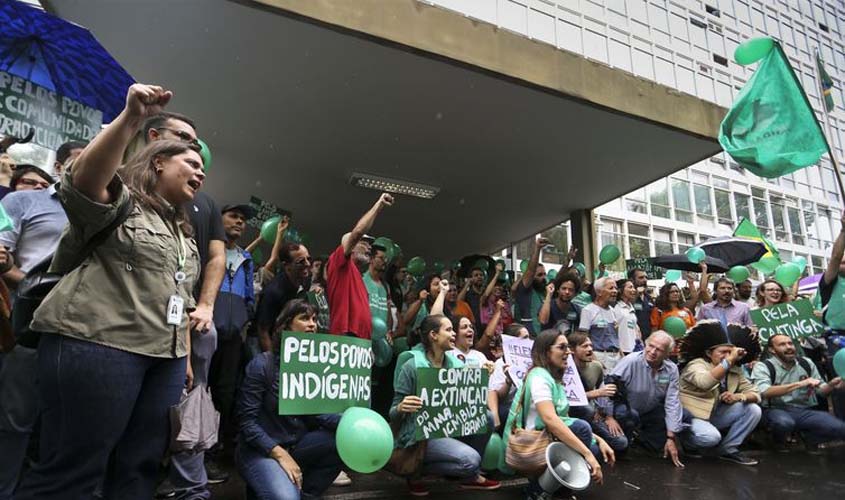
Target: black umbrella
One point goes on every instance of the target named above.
(733, 250)
(680, 262)
(468, 262)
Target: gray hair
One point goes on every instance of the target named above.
(600, 283)
(662, 335)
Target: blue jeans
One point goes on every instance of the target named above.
(19, 412)
(316, 455)
(449, 457)
(736, 420)
(588, 413)
(98, 401)
(816, 426)
(187, 469)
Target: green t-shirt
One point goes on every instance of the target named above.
(377, 293)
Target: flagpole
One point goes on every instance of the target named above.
(827, 126)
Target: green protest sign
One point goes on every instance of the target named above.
(263, 211)
(795, 319)
(454, 402)
(646, 264)
(323, 373)
(56, 119)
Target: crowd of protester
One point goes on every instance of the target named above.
(166, 298)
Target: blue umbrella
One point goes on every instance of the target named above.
(62, 57)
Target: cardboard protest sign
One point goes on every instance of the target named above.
(795, 319)
(323, 373)
(518, 357)
(454, 402)
(263, 211)
(652, 271)
(56, 119)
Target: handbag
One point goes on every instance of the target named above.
(406, 462)
(526, 450)
(194, 421)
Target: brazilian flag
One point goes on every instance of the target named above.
(769, 261)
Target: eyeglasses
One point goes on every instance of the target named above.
(181, 134)
(563, 347)
(34, 183)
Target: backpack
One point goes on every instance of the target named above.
(39, 281)
(801, 361)
(231, 312)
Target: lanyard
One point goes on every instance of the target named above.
(181, 253)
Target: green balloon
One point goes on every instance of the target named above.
(738, 274)
(305, 239)
(292, 235)
(397, 251)
(580, 268)
(787, 274)
(416, 266)
(437, 267)
(839, 362)
(364, 440)
(672, 276)
(753, 50)
(523, 266)
(482, 264)
(493, 452)
(674, 326)
(455, 265)
(695, 255)
(801, 262)
(389, 249)
(257, 255)
(205, 154)
(551, 275)
(268, 229)
(609, 254)
(767, 265)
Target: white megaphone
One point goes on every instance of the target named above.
(564, 467)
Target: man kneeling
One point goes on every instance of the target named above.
(714, 389)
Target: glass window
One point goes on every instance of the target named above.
(811, 225)
(638, 240)
(559, 236)
(682, 202)
(658, 18)
(824, 226)
(659, 199)
(779, 219)
(723, 208)
(685, 242)
(611, 234)
(743, 208)
(635, 201)
(794, 216)
(703, 205)
(663, 242)
(761, 211)
(818, 264)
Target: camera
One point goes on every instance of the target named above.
(621, 396)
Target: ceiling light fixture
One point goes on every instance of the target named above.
(394, 186)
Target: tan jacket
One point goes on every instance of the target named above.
(118, 297)
(700, 391)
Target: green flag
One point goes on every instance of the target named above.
(771, 129)
(745, 229)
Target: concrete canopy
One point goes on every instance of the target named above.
(291, 107)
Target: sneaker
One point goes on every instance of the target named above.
(487, 484)
(342, 480)
(738, 458)
(417, 488)
(215, 474)
(166, 489)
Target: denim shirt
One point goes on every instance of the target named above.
(261, 426)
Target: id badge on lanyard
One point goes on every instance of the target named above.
(176, 304)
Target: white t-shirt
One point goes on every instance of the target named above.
(626, 326)
(473, 359)
(540, 391)
(499, 379)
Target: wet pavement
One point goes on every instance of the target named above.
(779, 476)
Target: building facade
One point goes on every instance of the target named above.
(689, 45)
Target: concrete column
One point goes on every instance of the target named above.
(584, 238)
